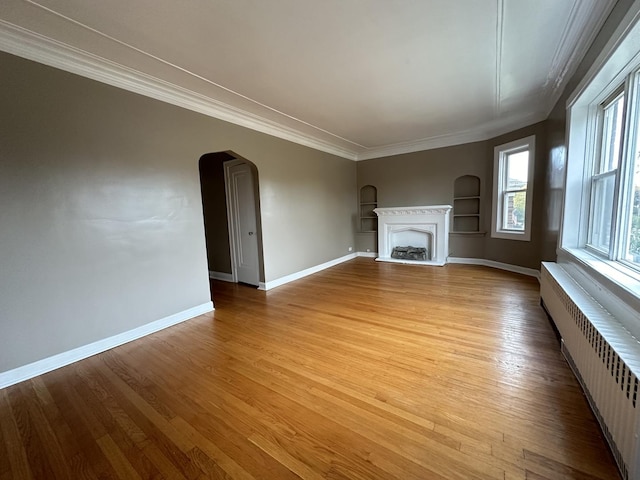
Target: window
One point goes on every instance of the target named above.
(600, 232)
(613, 188)
(512, 189)
(605, 174)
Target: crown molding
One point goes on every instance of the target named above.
(484, 132)
(585, 21)
(32, 46)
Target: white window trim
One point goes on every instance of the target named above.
(499, 152)
(611, 283)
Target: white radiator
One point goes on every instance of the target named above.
(604, 357)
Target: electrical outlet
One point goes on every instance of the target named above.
(351, 249)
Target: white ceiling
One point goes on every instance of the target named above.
(359, 78)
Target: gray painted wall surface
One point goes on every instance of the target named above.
(101, 226)
(425, 178)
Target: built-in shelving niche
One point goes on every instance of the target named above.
(368, 202)
(466, 205)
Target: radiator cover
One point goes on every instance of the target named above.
(604, 358)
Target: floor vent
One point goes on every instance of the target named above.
(604, 358)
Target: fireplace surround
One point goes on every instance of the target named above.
(419, 227)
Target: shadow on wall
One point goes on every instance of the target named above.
(216, 214)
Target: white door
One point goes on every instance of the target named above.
(242, 209)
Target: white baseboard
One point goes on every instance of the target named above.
(367, 254)
(303, 273)
(493, 264)
(45, 365)
(222, 276)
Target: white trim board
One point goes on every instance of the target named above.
(304, 273)
(531, 272)
(25, 372)
(222, 276)
(367, 254)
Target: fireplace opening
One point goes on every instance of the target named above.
(418, 254)
(411, 243)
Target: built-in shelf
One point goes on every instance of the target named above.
(368, 202)
(466, 205)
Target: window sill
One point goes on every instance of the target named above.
(606, 278)
(523, 236)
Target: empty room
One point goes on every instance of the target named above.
(282, 239)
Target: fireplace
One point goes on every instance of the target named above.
(419, 235)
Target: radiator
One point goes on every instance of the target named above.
(604, 358)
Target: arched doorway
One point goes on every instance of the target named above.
(231, 208)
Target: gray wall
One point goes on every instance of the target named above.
(426, 178)
(101, 222)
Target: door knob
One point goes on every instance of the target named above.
(250, 233)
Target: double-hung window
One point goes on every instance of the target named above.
(614, 184)
(605, 173)
(512, 189)
(600, 236)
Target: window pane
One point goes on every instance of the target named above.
(602, 210)
(517, 171)
(632, 242)
(611, 135)
(513, 210)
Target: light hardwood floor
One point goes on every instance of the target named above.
(363, 371)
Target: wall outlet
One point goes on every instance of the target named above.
(368, 250)
(351, 249)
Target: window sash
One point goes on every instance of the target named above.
(629, 221)
(504, 224)
(601, 212)
(611, 193)
(612, 132)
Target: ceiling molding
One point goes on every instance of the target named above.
(483, 132)
(585, 21)
(41, 49)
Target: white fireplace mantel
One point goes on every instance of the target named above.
(430, 221)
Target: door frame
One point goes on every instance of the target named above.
(232, 221)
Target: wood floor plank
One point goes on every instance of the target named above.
(12, 442)
(363, 371)
(117, 458)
